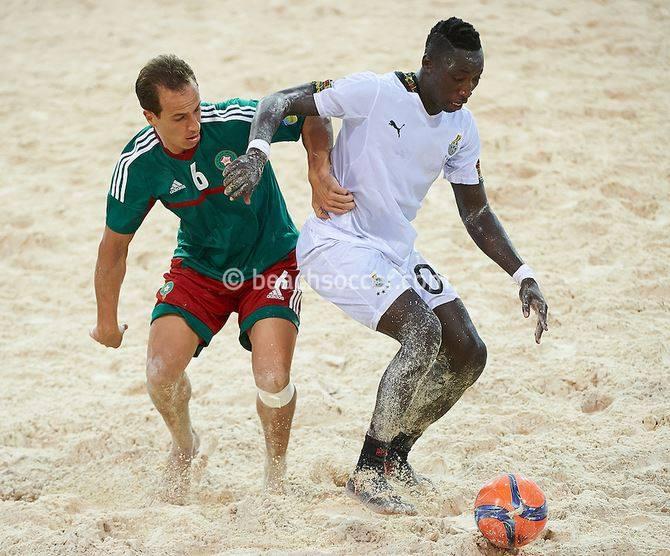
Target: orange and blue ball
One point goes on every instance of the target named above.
(511, 511)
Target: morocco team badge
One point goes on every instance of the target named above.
(223, 158)
(166, 289)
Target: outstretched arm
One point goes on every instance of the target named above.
(244, 173)
(110, 268)
(488, 233)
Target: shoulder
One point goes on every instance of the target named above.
(467, 118)
(135, 155)
(143, 141)
(234, 109)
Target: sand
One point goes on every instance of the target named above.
(573, 113)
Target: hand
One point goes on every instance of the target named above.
(243, 174)
(108, 336)
(531, 296)
(328, 195)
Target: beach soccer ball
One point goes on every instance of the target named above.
(510, 511)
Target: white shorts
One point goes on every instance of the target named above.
(363, 281)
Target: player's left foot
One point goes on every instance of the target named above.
(275, 475)
(400, 470)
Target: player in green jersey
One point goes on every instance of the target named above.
(231, 255)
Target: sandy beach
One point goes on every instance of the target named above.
(573, 115)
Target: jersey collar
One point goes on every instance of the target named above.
(186, 155)
(409, 81)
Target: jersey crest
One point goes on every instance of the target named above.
(223, 158)
(453, 146)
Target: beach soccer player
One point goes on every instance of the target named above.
(399, 132)
(232, 256)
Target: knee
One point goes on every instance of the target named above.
(474, 359)
(423, 337)
(272, 380)
(160, 373)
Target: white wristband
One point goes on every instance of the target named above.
(523, 272)
(261, 145)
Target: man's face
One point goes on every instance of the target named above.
(453, 77)
(178, 125)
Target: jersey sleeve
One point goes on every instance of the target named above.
(463, 167)
(351, 97)
(242, 112)
(129, 199)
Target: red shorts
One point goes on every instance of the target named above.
(206, 303)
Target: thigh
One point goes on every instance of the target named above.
(359, 279)
(172, 343)
(273, 295)
(273, 343)
(434, 288)
(410, 315)
(202, 302)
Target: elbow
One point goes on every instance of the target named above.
(475, 220)
(277, 103)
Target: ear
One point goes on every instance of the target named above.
(426, 64)
(151, 117)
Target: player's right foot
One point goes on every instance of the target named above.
(372, 489)
(275, 474)
(177, 479)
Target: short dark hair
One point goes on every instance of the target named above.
(458, 33)
(166, 71)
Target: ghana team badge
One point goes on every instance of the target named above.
(223, 158)
(453, 146)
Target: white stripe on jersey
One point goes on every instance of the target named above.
(124, 178)
(238, 118)
(235, 114)
(139, 143)
(211, 110)
(148, 140)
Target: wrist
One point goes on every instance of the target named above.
(107, 323)
(261, 146)
(318, 162)
(522, 273)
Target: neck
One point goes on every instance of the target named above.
(430, 106)
(167, 146)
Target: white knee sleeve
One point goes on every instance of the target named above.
(280, 399)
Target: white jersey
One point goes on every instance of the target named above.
(388, 154)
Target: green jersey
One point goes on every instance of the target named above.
(215, 233)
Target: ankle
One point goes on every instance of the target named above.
(373, 455)
(401, 446)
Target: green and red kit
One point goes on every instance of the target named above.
(220, 241)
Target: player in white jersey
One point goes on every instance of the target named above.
(399, 132)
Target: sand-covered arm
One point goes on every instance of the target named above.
(488, 233)
(244, 173)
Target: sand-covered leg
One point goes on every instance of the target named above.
(171, 346)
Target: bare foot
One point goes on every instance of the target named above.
(177, 477)
(373, 491)
(275, 475)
